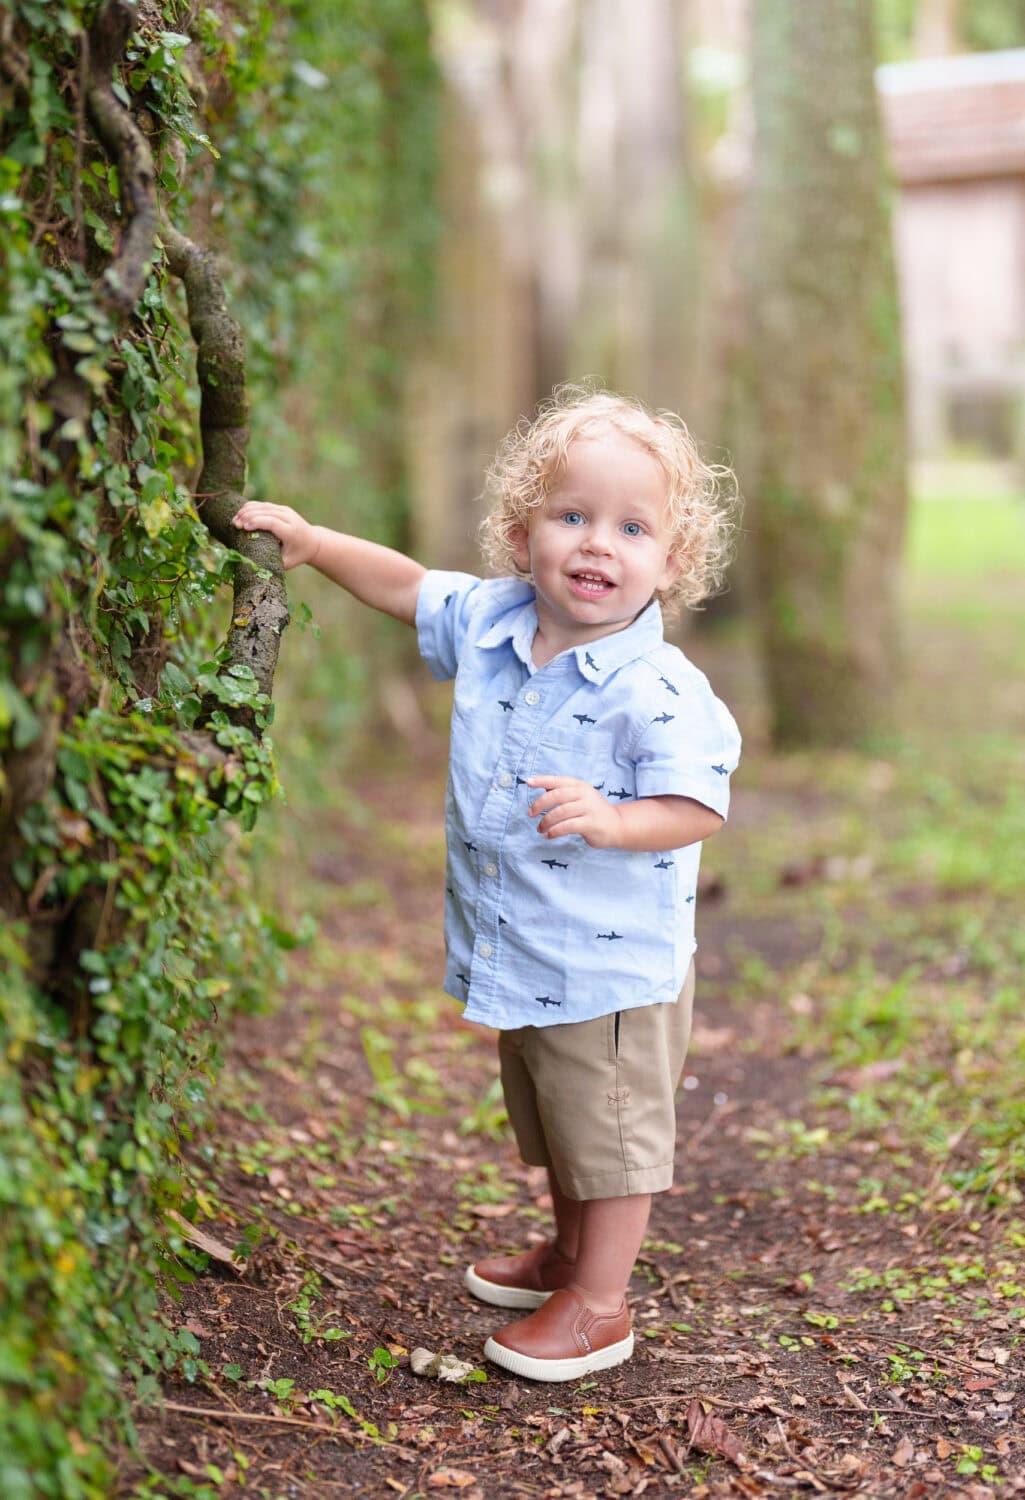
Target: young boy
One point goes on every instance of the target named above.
(589, 759)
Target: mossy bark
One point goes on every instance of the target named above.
(824, 462)
(260, 612)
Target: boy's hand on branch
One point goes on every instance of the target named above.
(300, 542)
(573, 806)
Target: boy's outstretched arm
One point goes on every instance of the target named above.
(379, 576)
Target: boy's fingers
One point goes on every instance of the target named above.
(554, 784)
(256, 514)
(555, 798)
(567, 825)
(542, 804)
(560, 815)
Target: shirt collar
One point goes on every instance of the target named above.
(596, 660)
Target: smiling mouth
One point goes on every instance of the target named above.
(592, 583)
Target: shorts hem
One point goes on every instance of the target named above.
(624, 1182)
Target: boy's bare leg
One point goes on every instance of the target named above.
(610, 1236)
(567, 1218)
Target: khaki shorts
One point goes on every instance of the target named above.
(595, 1100)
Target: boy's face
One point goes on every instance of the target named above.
(599, 547)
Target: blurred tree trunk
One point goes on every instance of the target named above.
(570, 245)
(824, 443)
(937, 28)
(475, 376)
(636, 317)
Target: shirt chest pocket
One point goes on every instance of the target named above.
(584, 753)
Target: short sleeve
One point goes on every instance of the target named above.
(691, 752)
(444, 608)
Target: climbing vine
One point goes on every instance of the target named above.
(143, 147)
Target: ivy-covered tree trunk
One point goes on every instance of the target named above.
(824, 455)
(132, 720)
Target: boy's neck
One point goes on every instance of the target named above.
(550, 642)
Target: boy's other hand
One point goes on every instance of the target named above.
(300, 542)
(573, 806)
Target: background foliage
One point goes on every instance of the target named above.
(130, 928)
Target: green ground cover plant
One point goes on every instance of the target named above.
(908, 866)
(134, 744)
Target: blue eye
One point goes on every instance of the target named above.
(573, 518)
(633, 528)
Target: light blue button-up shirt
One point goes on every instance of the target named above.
(541, 931)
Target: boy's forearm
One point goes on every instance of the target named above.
(379, 576)
(654, 824)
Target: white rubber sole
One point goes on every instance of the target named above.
(558, 1369)
(518, 1297)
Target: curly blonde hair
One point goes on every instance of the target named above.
(702, 498)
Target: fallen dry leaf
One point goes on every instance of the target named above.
(873, 1072)
(216, 1249)
(707, 1041)
(439, 1366)
(199, 1329)
(711, 1435)
(493, 1210)
(903, 1453)
(449, 1479)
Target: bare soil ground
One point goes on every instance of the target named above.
(792, 1339)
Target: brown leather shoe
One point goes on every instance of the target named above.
(524, 1280)
(562, 1340)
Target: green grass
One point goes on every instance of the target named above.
(979, 538)
(915, 879)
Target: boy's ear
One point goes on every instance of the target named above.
(671, 570)
(520, 540)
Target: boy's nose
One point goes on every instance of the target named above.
(598, 540)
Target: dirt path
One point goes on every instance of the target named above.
(792, 1338)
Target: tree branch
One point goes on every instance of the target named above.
(260, 612)
(125, 278)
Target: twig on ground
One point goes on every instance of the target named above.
(224, 1414)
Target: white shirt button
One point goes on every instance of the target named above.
(532, 697)
(505, 779)
(485, 950)
(491, 869)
